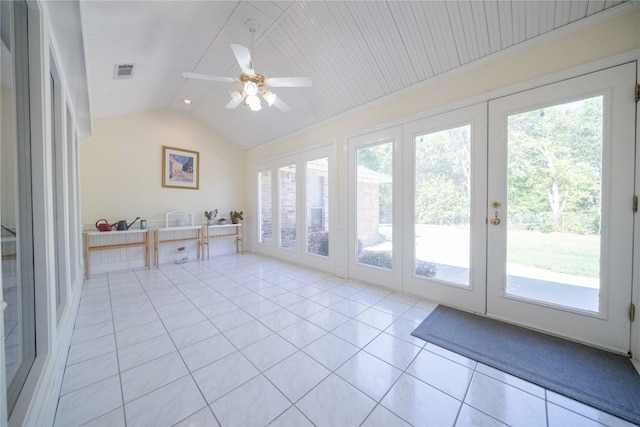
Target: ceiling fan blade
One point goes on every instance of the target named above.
(209, 77)
(289, 82)
(281, 105)
(243, 56)
(236, 99)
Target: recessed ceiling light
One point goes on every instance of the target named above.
(187, 101)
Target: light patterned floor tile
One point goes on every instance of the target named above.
(167, 405)
(341, 365)
(341, 404)
(420, 404)
(137, 354)
(247, 334)
(193, 333)
(504, 377)
(291, 417)
(255, 403)
(505, 403)
(139, 333)
(86, 404)
(331, 351)
(357, 333)
(231, 320)
(305, 308)
(183, 319)
(219, 378)
(302, 333)
(349, 308)
(202, 418)
(90, 349)
(584, 410)
(268, 351)
(382, 417)
(262, 308)
(297, 375)
(328, 319)
(441, 373)
(369, 374)
(279, 320)
(471, 417)
(393, 350)
(152, 375)
(402, 329)
(87, 333)
(114, 418)
(206, 351)
(376, 318)
(560, 417)
(88, 372)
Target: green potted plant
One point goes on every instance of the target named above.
(235, 216)
(210, 215)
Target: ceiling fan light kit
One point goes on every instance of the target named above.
(253, 102)
(270, 97)
(250, 88)
(253, 83)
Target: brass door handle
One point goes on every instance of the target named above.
(495, 221)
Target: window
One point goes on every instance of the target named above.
(317, 177)
(16, 215)
(374, 206)
(265, 212)
(443, 205)
(287, 183)
(294, 201)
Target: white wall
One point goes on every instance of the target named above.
(121, 169)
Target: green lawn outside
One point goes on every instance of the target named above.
(558, 252)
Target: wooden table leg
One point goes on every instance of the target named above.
(155, 246)
(85, 250)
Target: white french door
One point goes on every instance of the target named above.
(444, 216)
(559, 208)
(318, 249)
(519, 208)
(375, 225)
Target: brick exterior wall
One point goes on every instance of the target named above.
(266, 223)
(288, 208)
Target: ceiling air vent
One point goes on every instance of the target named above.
(123, 71)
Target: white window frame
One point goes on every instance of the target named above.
(299, 254)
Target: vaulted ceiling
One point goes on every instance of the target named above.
(354, 51)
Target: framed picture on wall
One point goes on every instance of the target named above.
(180, 168)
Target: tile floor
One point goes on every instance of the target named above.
(244, 340)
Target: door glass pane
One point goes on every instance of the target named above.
(442, 205)
(554, 204)
(9, 220)
(287, 206)
(15, 202)
(71, 185)
(374, 213)
(266, 219)
(317, 176)
(57, 199)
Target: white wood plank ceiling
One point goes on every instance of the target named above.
(354, 51)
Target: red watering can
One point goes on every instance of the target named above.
(103, 225)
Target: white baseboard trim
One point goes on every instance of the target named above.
(44, 401)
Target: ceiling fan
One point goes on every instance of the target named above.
(254, 84)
